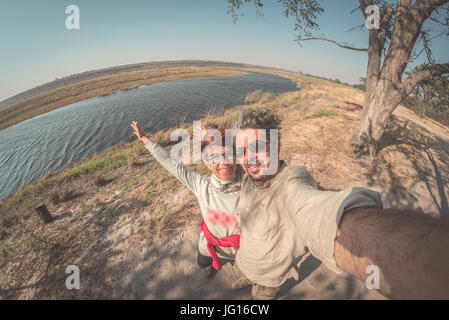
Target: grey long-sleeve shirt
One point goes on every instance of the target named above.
(217, 199)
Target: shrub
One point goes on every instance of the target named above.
(253, 96)
(100, 180)
(132, 160)
(59, 196)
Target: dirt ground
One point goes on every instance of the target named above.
(167, 269)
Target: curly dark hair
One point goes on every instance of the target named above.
(257, 119)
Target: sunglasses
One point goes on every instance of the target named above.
(254, 147)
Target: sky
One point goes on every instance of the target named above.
(36, 47)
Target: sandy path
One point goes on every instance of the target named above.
(166, 269)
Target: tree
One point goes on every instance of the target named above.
(431, 97)
(405, 31)
(434, 92)
(361, 85)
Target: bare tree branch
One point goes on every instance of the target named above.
(333, 41)
(416, 78)
(443, 8)
(363, 5)
(354, 10)
(440, 22)
(427, 6)
(430, 4)
(362, 26)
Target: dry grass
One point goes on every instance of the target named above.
(258, 96)
(132, 160)
(61, 195)
(253, 97)
(321, 145)
(162, 137)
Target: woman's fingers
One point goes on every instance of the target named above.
(135, 126)
(137, 132)
(199, 132)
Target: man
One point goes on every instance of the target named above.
(217, 196)
(282, 212)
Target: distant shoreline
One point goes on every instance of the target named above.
(89, 84)
(91, 74)
(101, 86)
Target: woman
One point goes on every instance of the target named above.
(217, 195)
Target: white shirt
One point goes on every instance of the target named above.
(217, 199)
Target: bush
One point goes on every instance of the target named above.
(258, 96)
(253, 96)
(132, 160)
(430, 98)
(59, 196)
(422, 109)
(267, 96)
(100, 180)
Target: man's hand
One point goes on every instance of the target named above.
(138, 132)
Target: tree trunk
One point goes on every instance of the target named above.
(377, 110)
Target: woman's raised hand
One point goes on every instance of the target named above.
(199, 132)
(138, 132)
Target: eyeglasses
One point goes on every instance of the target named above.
(215, 158)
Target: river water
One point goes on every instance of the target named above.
(54, 140)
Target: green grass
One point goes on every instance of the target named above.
(125, 186)
(323, 113)
(382, 165)
(111, 159)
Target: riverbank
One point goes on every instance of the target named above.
(132, 229)
(101, 86)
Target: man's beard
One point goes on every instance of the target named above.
(260, 175)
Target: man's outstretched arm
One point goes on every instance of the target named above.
(410, 249)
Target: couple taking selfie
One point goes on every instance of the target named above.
(263, 215)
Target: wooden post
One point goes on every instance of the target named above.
(43, 213)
